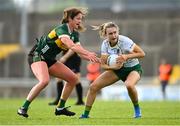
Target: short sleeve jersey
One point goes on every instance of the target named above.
(123, 46)
(49, 46)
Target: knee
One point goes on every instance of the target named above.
(129, 86)
(93, 88)
(44, 82)
(74, 80)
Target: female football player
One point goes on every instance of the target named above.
(127, 67)
(43, 63)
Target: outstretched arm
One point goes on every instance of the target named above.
(79, 49)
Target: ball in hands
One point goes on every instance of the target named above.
(111, 60)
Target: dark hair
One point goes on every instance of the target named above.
(72, 12)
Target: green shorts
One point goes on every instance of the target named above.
(124, 71)
(34, 56)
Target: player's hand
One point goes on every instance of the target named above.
(121, 59)
(93, 57)
(62, 60)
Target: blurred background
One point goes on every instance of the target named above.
(152, 24)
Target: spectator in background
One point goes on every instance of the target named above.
(165, 71)
(93, 71)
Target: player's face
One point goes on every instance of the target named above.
(76, 21)
(112, 35)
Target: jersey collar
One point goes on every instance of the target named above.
(114, 45)
(69, 31)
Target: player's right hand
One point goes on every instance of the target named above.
(93, 57)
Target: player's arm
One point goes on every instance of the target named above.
(66, 56)
(78, 49)
(82, 55)
(136, 52)
(71, 45)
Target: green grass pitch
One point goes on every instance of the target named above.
(103, 113)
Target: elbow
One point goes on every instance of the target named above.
(73, 48)
(143, 55)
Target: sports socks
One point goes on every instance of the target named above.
(137, 111)
(60, 86)
(136, 104)
(26, 104)
(87, 111)
(136, 107)
(79, 91)
(61, 103)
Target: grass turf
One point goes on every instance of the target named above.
(102, 113)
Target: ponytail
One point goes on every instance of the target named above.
(102, 28)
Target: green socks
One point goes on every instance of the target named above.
(87, 110)
(26, 104)
(61, 103)
(136, 104)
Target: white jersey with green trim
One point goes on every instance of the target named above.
(123, 46)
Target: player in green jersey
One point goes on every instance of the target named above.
(43, 63)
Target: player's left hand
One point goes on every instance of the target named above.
(121, 59)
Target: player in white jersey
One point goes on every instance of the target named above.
(127, 67)
(124, 45)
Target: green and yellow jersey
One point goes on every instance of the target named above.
(49, 46)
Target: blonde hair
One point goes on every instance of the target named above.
(102, 28)
(71, 13)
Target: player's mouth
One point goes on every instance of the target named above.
(77, 25)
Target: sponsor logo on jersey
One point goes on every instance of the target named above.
(44, 50)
